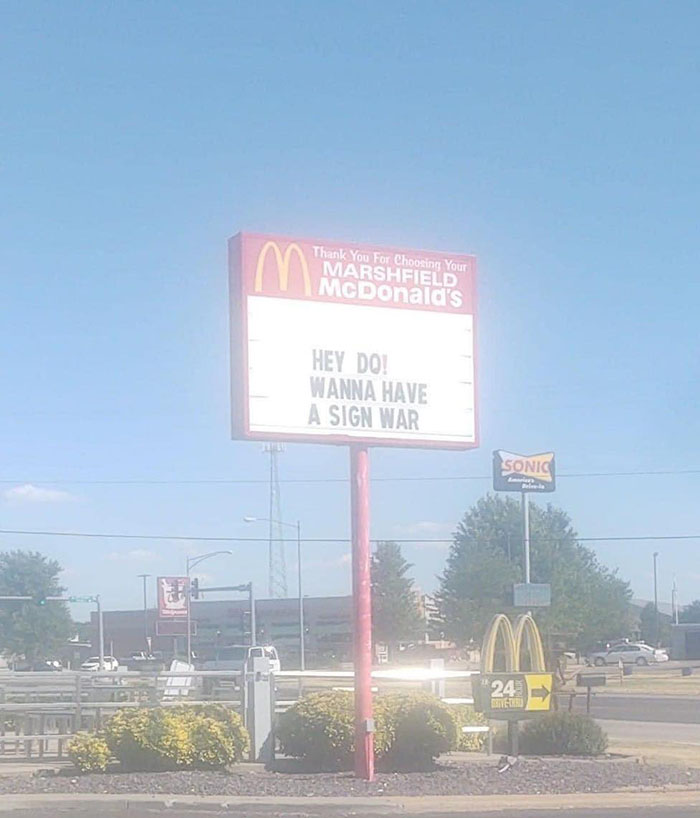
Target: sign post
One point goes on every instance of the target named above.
(512, 693)
(342, 343)
(362, 612)
(525, 505)
(524, 473)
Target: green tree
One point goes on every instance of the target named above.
(654, 631)
(589, 601)
(395, 614)
(691, 613)
(647, 624)
(33, 629)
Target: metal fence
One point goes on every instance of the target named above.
(40, 712)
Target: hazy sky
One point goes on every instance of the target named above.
(558, 141)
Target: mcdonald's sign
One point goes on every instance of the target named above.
(282, 262)
(512, 691)
(338, 342)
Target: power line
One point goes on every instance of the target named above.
(342, 540)
(310, 480)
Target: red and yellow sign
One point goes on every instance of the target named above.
(509, 693)
(523, 472)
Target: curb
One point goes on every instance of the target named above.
(414, 805)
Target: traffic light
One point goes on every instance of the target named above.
(40, 599)
(194, 588)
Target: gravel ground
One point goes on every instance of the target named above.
(451, 778)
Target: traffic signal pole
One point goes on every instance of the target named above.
(362, 612)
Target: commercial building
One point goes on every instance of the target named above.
(685, 641)
(327, 638)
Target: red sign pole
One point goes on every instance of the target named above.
(362, 612)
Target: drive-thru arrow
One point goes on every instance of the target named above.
(541, 692)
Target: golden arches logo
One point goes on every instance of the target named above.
(525, 628)
(283, 261)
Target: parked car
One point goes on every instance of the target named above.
(630, 653)
(93, 664)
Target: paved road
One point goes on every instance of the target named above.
(334, 812)
(682, 710)
(632, 732)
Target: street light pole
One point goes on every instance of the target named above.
(302, 651)
(656, 602)
(144, 577)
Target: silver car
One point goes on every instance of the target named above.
(630, 654)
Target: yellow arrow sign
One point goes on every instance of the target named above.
(539, 691)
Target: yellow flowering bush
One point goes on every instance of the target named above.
(89, 753)
(466, 716)
(176, 738)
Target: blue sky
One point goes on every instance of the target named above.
(555, 140)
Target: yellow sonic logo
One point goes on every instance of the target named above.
(283, 261)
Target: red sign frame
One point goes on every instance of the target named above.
(292, 284)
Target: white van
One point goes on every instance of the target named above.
(234, 657)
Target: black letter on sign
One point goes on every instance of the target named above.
(314, 416)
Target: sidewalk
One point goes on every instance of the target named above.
(385, 805)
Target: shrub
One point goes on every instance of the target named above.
(176, 738)
(563, 734)
(411, 730)
(233, 731)
(89, 753)
(467, 717)
(421, 728)
(319, 728)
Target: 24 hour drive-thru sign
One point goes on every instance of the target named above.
(513, 692)
(336, 342)
(340, 342)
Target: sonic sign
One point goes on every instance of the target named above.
(523, 472)
(345, 343)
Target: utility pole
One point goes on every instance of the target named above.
(656, 602)
(674, 598)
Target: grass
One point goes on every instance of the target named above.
(668, 682)
(685, 755)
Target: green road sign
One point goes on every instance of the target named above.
(82, 599)
(512, 695)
